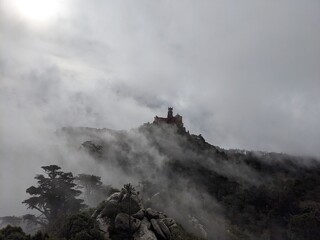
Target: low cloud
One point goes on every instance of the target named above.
(243, 75)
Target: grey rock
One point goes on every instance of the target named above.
(114, 197)
(168, 221)
(122, 222)
(150, 213)
(173, 226)
(143, 233)
(146, 222)
(157, 229)
(104, 227)
(164, 229)
(119, 202)
(137, 198)
(139, 214)
(133, 202)
(110, 209)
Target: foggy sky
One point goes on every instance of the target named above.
(244, 74)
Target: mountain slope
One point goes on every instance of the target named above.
(232, 194)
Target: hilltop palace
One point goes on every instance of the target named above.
(176, 121)
(170, 119)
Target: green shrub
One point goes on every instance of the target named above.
(13, 233)
(77, 227)
(40, 236)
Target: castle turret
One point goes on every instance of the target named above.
(170, 112)
(170, 119)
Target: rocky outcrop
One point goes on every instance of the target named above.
(169, 222)
(154, 214)
(139, 215)
(144, 232)
(146, 224)
(157, 229)
(104, 228)
(121, 222)
(164, 229)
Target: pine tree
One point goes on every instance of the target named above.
(92, 186)
(129, 191)
(54, 196)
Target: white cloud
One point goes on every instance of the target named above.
(244, 75)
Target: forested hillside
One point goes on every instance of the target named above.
(180, 182)
(234, 194)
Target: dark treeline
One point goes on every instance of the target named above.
(62, 201)
(240, 194)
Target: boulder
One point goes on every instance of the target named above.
(146, 222)
(117, 203)
(133, 202)
(122, 222)
(173, 226)
(168, 221)
(164, 229)
(104, 228)
(110, 210)
(143, 233)
(150, 213)
(115, 198)
(157, 229)
(139, 214)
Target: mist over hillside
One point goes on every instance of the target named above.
(79, 78)
(257, 195)
(212, 192)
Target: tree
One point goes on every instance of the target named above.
(55, 195)
(10, 220)
(129, 190)
(94, 190)
(79, 226)
(92, 186)
(13, 233)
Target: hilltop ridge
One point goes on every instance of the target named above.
(232, 193)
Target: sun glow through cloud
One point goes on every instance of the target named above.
(38, 11)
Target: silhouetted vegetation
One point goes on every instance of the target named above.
(262, 195)
(79, 226)
(54, 196)
(94, 190)
(259, 195)
(16, 233)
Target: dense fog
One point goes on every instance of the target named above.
(244, 75)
